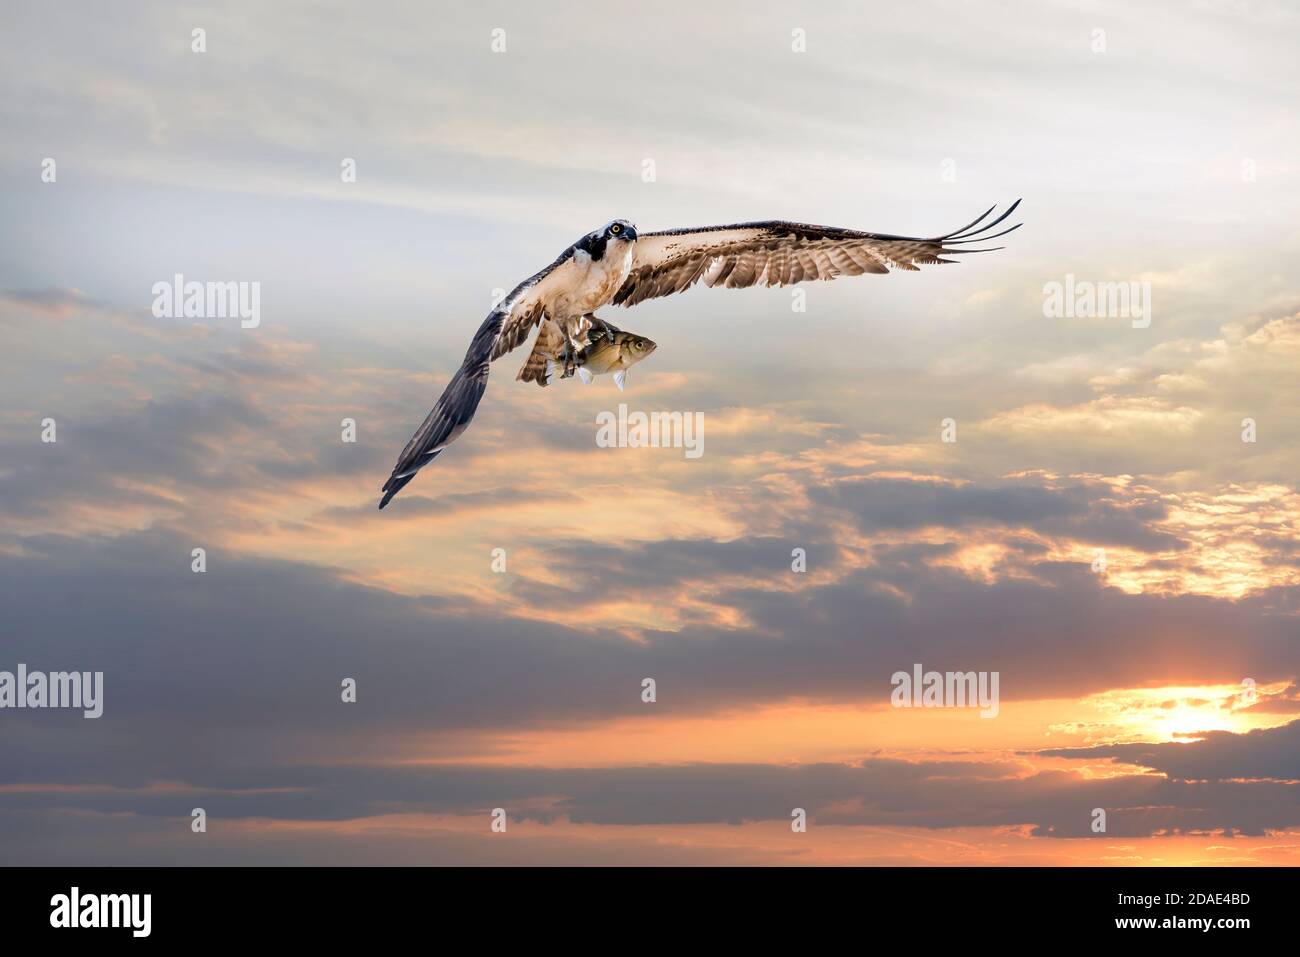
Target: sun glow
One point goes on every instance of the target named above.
(1180, 713)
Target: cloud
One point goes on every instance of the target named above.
(1272, 753)
(256, 650)
(871, 793)
(1088, 512)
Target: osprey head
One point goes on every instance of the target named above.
(620, 229)
(613, 235)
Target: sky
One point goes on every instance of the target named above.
(928, 468)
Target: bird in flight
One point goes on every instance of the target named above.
(617, 265)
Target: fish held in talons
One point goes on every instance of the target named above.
(608, 350)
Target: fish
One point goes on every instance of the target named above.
(608, 350)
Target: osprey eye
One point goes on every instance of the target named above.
(616, 229)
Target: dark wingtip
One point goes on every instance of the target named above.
(982, 238)
(974, 222)
(978, 235)
(392, 487)
(966, 233)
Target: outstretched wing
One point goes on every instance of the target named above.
(778, 253)
(505, 327)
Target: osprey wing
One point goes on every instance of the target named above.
(506, 327)
(777, 253)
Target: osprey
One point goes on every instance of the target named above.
(616, 264)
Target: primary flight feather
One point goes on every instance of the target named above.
(617, 265)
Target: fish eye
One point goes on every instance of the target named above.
(616, 229)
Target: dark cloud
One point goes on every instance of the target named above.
(1219, 756)
(876, 792)
(248, 657)
(1083, 512)
(174, 441)
(594, 573)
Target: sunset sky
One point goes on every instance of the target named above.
(1099, 534)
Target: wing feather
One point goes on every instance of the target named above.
(779, 253)
(505, 327)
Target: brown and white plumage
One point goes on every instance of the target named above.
(779, 254)
(616, 265)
